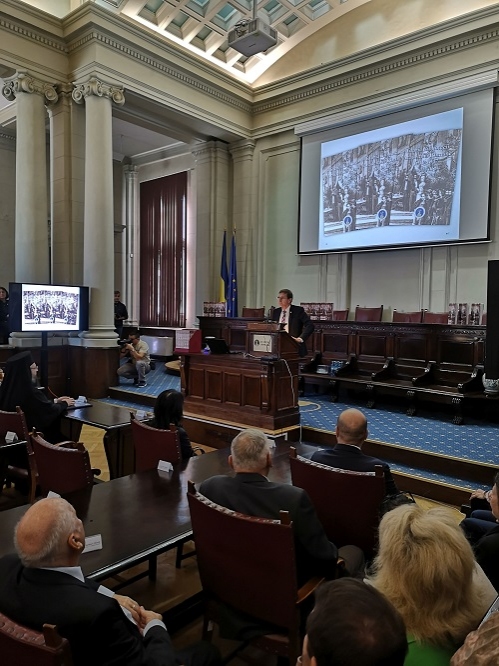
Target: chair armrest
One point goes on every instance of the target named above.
(309, 588)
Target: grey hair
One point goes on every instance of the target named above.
(65, 521)
(249, 450)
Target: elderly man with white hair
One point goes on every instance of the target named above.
(44, 583)
(250, 492)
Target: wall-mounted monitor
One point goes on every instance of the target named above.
(417, 177)
(35, 308)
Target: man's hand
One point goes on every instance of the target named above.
(480, 494)
(145, 616)
(129, 604)
(65, 398)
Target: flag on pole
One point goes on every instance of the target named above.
(232, 297)
(224, 273)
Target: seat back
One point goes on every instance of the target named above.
(152, 445)
(415, 317)
(484, 319)
(62, 468)
(368, 314)
(435, 317)
(346, 502)
(253, 312)
(13, 422)
(340, 315)
(258, 573)
(21, 646)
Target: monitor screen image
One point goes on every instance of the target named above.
(41, 307)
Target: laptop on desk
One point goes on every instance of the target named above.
(217, 345)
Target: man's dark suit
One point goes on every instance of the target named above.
(299, 324)
(94, 624)
(254, 495)
(346, 456)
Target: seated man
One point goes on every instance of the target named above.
(251, 493)
(353, 624)
(351, 433)
(139, 363)
(487, 547)
(44, 584)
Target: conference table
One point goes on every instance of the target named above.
(115, 421)
(144, 514)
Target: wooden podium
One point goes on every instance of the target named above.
(253, 389)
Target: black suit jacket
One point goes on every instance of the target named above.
(254, 495)
(344, 456)
(97, 629)
(487, 555)
(299, 325)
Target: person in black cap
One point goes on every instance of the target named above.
(18, 388)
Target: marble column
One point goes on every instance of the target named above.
(98, 218)
(32, 231)
(130, 262)
(243, 220)
(212, 207)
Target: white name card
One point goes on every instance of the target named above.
(164, 466)
(52, 494)
(10, 437)
(93, 543)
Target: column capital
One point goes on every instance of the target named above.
(22, 82)
(209, 149)
(94, 86)
(242, 150)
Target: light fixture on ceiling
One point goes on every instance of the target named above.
(250, 36)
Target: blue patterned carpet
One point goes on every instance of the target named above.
(431, 432)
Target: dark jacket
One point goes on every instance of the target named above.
(299, 324)
(487, 555)
(97, 629)
(345, 456)
(255, 495)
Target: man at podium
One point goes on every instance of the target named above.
(293, 319)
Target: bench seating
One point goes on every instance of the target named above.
(421, 363)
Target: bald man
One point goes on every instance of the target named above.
(44, 583)
(351, 433)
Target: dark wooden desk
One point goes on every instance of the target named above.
(143, 514)
(115, 421)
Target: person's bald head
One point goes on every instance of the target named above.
(351, 427)
(49, 535)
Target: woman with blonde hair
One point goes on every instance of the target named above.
(426, 568)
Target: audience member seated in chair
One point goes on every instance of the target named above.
(353, 624)
(426, 568)
(44, 584)
(483, 531)
(481, 647)
(351, 433)
(19, 389)
(168, 410)
(251, 493)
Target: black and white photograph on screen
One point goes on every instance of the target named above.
(53, 308)
(394, 177)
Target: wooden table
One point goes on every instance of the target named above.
(144, 514)
(115, 421)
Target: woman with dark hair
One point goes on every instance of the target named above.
(169, 410)
(18, 388)
(4, 316)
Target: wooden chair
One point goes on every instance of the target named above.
(346, 502)
(257, 576)
(253, 312)
(20, 646)
(16, 422)
(340, 315)
(415, 317)
(435, 317)
(368, 314)
(62, 468)
(152, 445)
